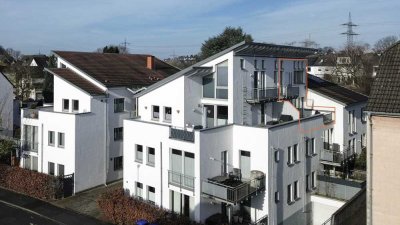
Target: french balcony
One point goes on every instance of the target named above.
(180, 134)
(29, 146)
(31, 113)
(230, 190)
(180, 180)
(258, 95)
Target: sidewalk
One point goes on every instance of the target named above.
(45, 209)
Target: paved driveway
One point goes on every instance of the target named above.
(85, 202)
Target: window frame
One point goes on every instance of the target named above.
(313, 180)
(148, 194)
(61, 145)
(118, 163)
(290, 199)
(118, 133)
(296, 153)
(165, 114)
(136, 153)
(58, 169)
(117, 105)
(313, 148)
(49, 141)
(148, 162)
(152, 112)
(216, 81)
(296, 190)
(290, 160)
(51, 166)
(65, 102)
(139, 185)
(242, 64)
(73, 105)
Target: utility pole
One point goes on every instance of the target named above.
(124, 44)
(349, 33)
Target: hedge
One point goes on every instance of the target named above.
(28, 182)
(120, 209)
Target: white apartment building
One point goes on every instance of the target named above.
(345, 136)
(81, 134)
(228, 136)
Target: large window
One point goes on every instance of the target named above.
(151, 156)
(155, 112)
(222, 80)
(119, 105)
(118, 163)
(65, 104)
(139, 153)
(118, 133)
(61, 140)
(215, 119)
(51, 138)
(75, 105)
(218, 89)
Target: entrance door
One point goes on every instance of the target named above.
(245, 164)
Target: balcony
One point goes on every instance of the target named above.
(180, 180)
(31, 113)
(290, 92)
(232, 191)
(263, 95)
(29, 146)
(327, 118)
(180, 134)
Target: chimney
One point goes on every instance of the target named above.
(150, 62)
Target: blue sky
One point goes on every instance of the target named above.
(162, 27)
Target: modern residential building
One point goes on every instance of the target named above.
(7, 106)
(227, 136)
(82, 133)
(345, 136)
(383, 135)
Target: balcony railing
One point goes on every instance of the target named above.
(331, 156)
(232, 191)
(263, 94)
(29, 146)
(290, 92)
(179, 134)
(181, 180)
(327, 118)
(31, 113)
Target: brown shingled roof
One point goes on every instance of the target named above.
(116, 70)
(77, 80)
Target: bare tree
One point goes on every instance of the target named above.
(23, 80)
(384, 43)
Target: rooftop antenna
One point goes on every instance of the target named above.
(349, 33)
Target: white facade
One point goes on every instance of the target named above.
(6, 107)
(199, 133)
(81, 141)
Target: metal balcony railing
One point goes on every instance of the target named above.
(232, 191)
(291, 92)
(29, 146)
(263, 94)
(181, 180)
(331, 156)
(31, 113)
(179, 134)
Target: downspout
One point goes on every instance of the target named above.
(369, 169)
(41, 151)
(106, 139)
(161, 177)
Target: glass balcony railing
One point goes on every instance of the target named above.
(181, 180)
(29, 146)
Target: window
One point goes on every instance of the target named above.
(276, 196)
(60, 170)
(65, 104)
(155, 112)
(75, 105)
(167, 114)
(290, 194)
(290, 155)
(298, 77)
(118, 163)
(139, 190)
(151, 194)
(51, 168)
(51, 138)
(363, 141)
(151, 156)
(281, 65)
(275, 77)
(352, 122)
(313, 150)
(276, 156)
(62, 65)
(222, 115)
(262, 64)
(313, 180)
(308, 182)
(118, 133)
(296, 153)
(363, 115)
(242, 65)
(255, 64)
(208, 86)
(307, 143)
(139, 153)
(119, 105)
(296, 190)
(222, 81)
(61, 140)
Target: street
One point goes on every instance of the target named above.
(13, 215)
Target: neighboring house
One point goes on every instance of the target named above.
(37, 63)
(321, 65)
(223, 136)
(82, 133)
(346, 135)
(383, 135)
(7, 99)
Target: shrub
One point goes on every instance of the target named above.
(28, 182)
(120, 209)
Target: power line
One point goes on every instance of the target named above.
(349, 33)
